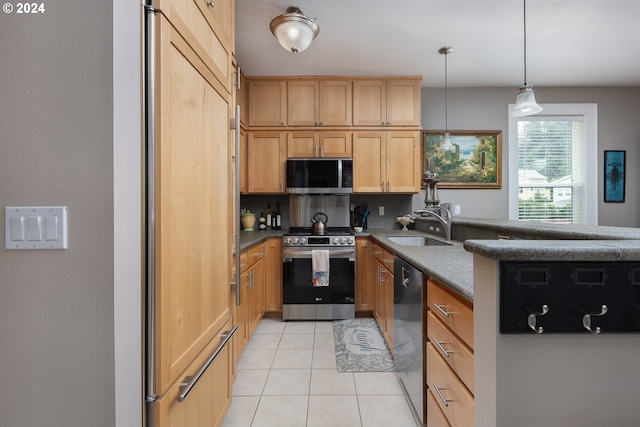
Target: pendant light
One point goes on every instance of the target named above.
(294, 30)
(526, 104)
(445, 143)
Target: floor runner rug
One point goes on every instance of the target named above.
(360, 346)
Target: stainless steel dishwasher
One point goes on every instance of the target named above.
(408, 333)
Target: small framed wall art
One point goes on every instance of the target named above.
(614, 175)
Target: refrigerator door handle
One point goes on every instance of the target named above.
(187, 384)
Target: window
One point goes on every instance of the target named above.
(552, 165)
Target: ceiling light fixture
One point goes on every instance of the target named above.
(526, 104)
(445, 143)
(294, 30)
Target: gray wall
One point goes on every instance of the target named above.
(486, 109)
(56, 307)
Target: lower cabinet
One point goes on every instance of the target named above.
(255, 287)
(364, 282)
(273, 275)
(449, 358)
(382, 261)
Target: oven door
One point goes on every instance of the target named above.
(298, 293)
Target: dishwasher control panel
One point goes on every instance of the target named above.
(569, 297)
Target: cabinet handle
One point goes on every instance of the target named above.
(211, 4)
(438, 344)
(442, 310)
(440, 395)
(188, 382)
(251, 278)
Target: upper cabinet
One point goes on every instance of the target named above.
(393, 102)
(386, 161)
(319, 102)
(267, 103)
(266, 162)
(328, 143)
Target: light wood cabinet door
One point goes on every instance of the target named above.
(243, 99)
(393, 102)
(387, 301)
(319, 102)
(403, 162)
(364, 282)
(368, 162)
(403, 103)
(386, 162)
(336, 105)
(241, 314)
(305, 144)
(273, 275)
(193, 248)
(256, 292)
(303, 103)
(266, 162)
(369, 103)
(267, 103)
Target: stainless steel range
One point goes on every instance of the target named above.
(301, 299)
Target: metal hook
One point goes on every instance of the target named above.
(531, 320)
(586, 320)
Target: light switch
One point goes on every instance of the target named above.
(17, 228)
(34, 229)
(51, 227)
(37, 227)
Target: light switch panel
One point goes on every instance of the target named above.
(37, 227)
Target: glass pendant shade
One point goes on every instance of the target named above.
(294, 31)
(526, 104)
(446, 144)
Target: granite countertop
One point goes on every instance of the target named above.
(251, 238)
(449, 264)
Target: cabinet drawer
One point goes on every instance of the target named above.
(452, 310)
(208, 401)
(435, 416)
(457, 355)
(384, 256)
(452, 397)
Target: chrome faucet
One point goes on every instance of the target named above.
(442, 213)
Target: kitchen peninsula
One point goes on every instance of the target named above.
(530, 379)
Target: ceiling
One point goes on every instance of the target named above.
(570, 43)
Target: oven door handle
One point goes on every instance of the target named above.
(307, 254)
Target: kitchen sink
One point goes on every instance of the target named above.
(417, 241)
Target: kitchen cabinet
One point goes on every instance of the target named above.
(273, 275)
(319, 102)
(194, 213)
(364, 282)
(266, 162)
(244, 162)
(386, 161)
(449, 353)
(305, 144)
(392, 102)
(255, 286)
(383, 291)
(242, 95)
(267, 103)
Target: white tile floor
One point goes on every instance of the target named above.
(287, 377)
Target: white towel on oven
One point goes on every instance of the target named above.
(320, 267)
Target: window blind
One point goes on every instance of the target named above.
(551, 165)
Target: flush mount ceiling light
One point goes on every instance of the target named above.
(526, 104)
(294, 30)
(445, 143)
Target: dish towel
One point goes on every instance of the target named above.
(320, 267)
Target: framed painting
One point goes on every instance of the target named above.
(476, 161)
(614, 174)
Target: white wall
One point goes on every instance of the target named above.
(56, 148)
(486, 109)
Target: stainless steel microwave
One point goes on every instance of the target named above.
(320, 176)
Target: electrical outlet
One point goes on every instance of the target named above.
(456, 210)
(381, 211)
(431, 228)
(437, 229)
